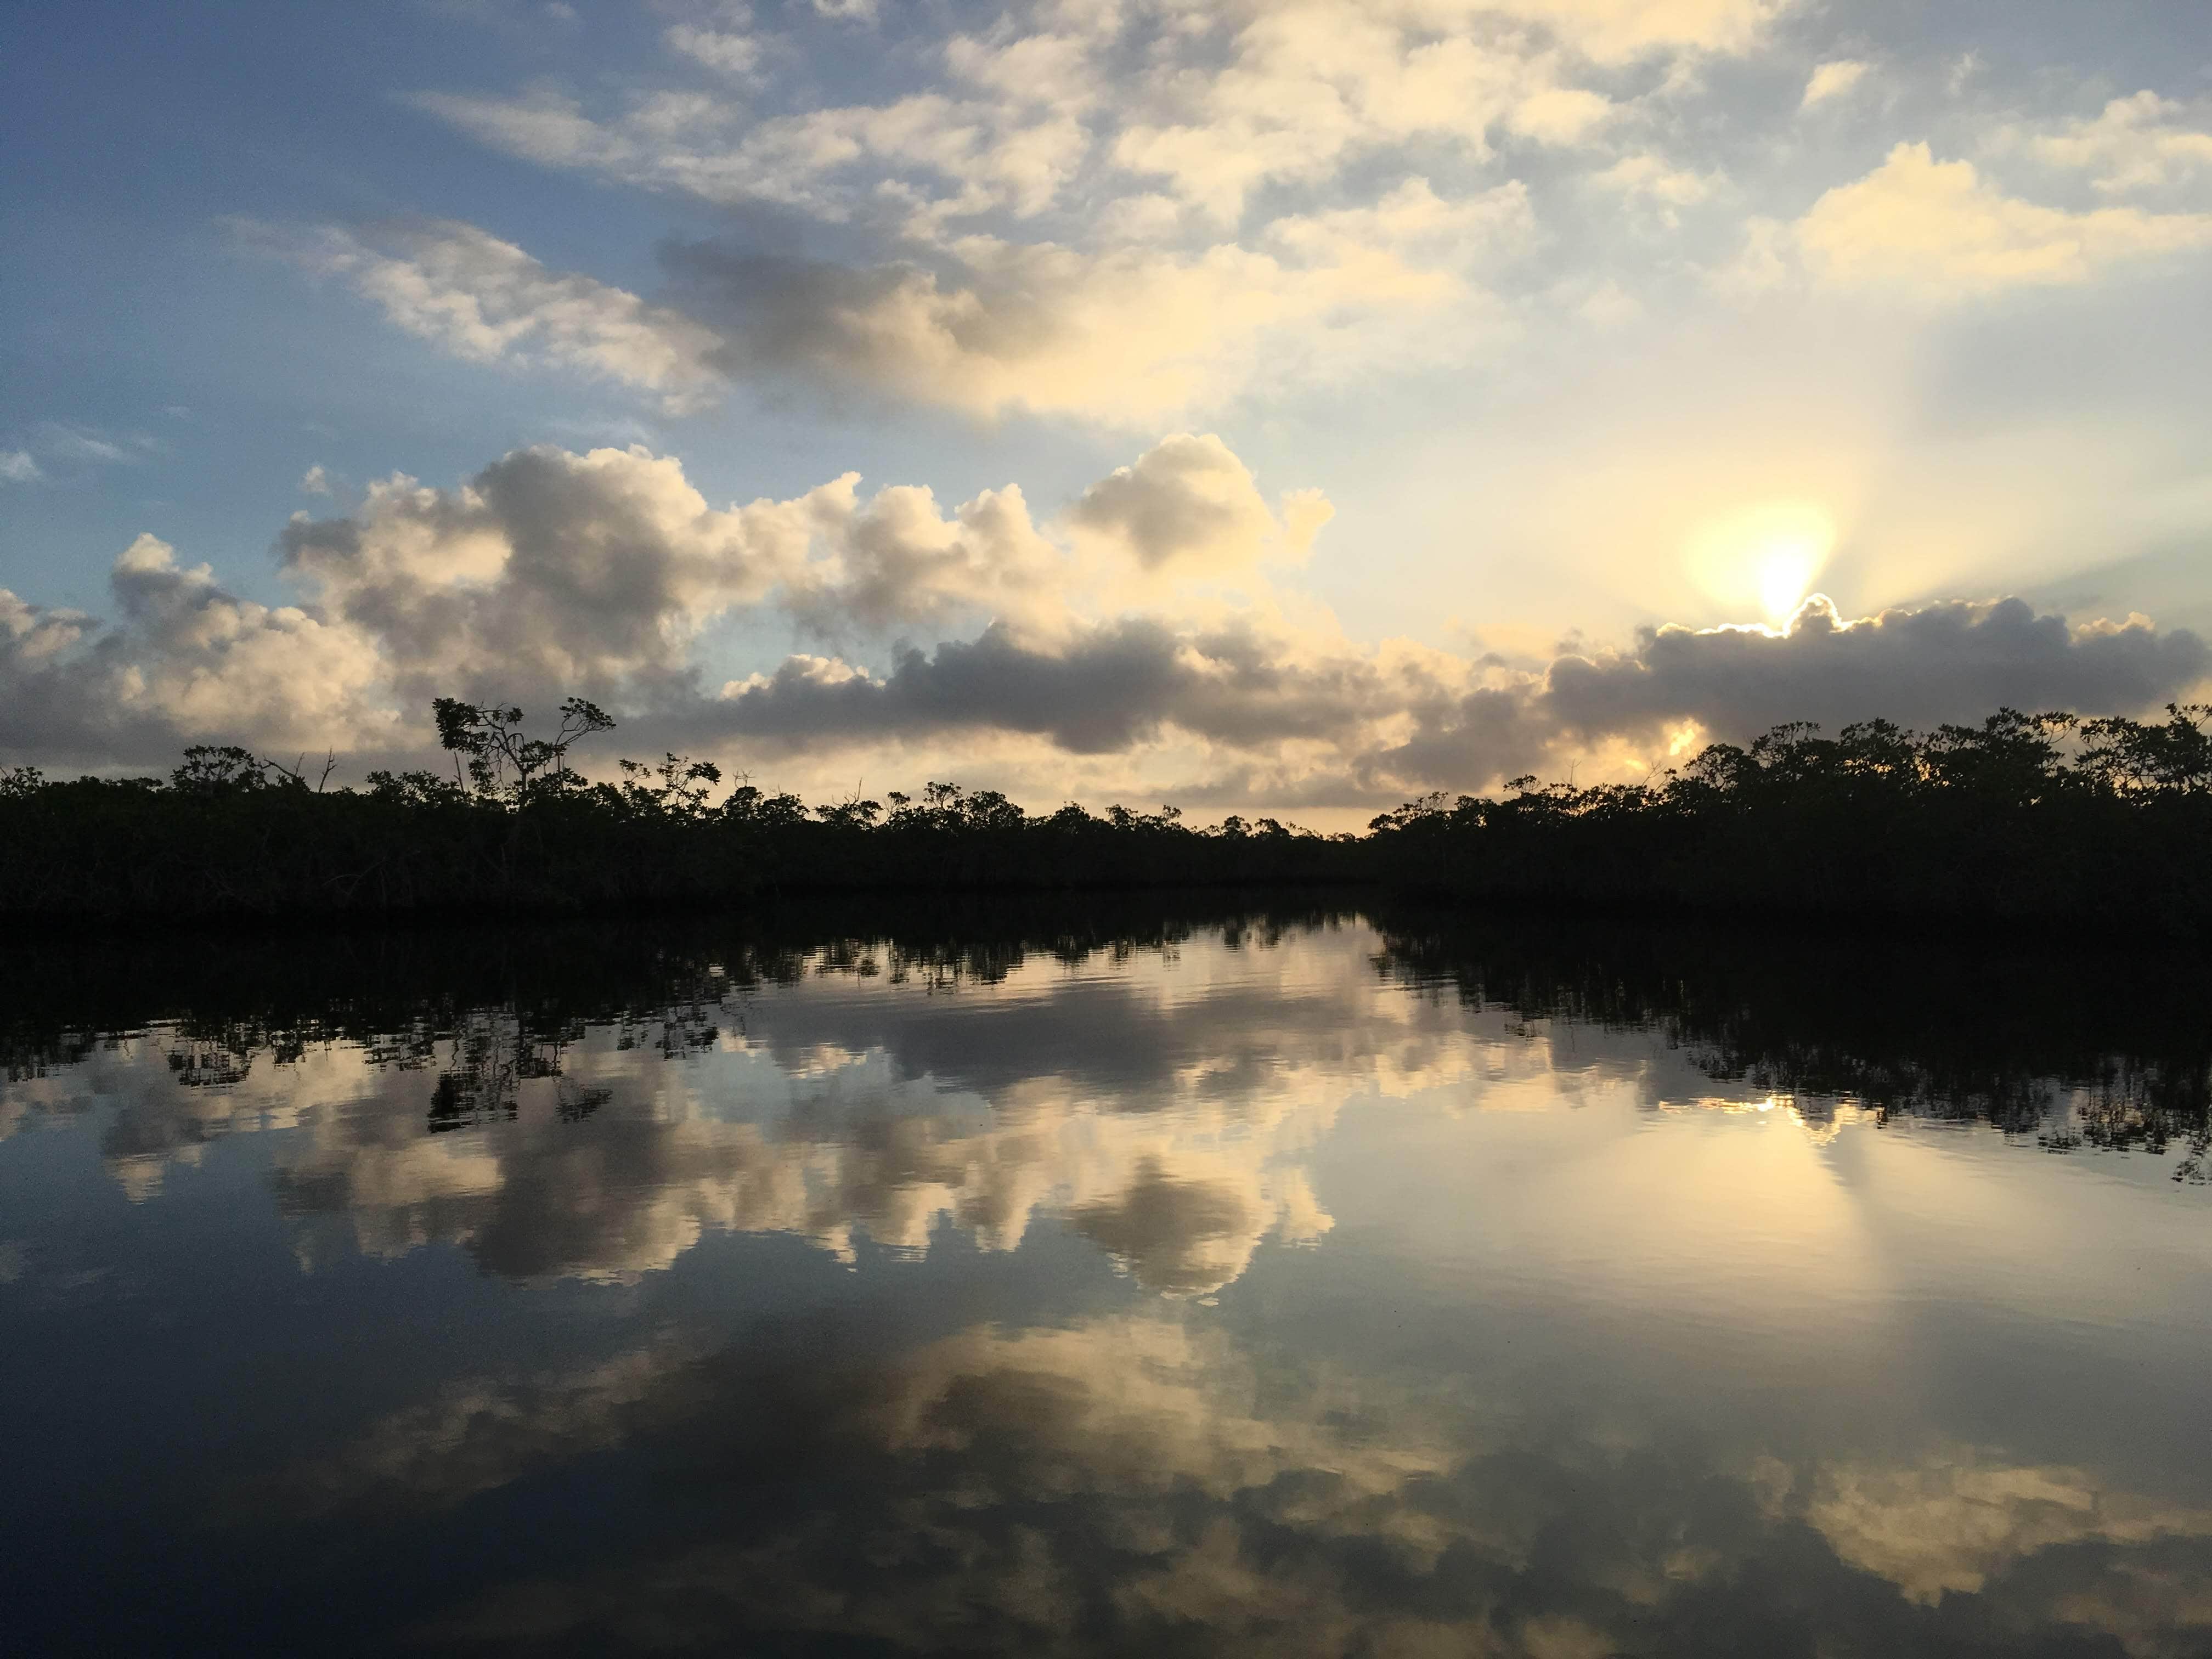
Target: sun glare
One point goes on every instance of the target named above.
(1786, 571)
(1764, 556)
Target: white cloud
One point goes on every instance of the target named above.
(1834, 80)
(1938, 231)
(88, 447)
(1228, 101)
(1308, 89)
(485, 299)
(925, 155)
(738, 56)
(1133, 213)
(1668, 189)
(1613, 30)
(2136, 144)
(18, 466)
(315, 481)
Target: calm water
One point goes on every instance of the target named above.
(1284, 1284)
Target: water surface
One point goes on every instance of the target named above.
(1285, 1283)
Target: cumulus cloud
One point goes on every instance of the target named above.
(184, 660)
(2144, 142)
(547, 569)
(1405, 721)
(19, 466)
(1189, 501)
(1833, 80)
(1938, 231)
(1143, 621)
(485, 299)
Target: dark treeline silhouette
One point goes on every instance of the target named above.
(2022, 818)
(515, 830)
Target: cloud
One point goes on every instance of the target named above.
(186, 659)
(901, 561)
(1833, 80)
(1612, 30)
(1019, 225)
(1307, 89)
(592, 1157)
(1399, 723)
(315, 481)
(1938, 231)
(1186, 1237)
(1142, 624)
(1190, 502)
(1127, 336)
(1652, 180)
(486, 301)
(2139, 144)
(1951, 1524)
(1236, 100)
(1135, 1481)
(1953, 661)
(1109, 688)
(550, 569)
(551, 572)
(73, 447)
(738, 56)
(1021, 207)
(952, 156)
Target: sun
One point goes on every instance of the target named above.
(1764, 556)
(1786, 569)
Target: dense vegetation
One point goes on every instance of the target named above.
(514, 829)
(2025, 817)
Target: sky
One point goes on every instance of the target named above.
(1292, 405)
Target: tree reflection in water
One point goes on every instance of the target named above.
(1314, 1408)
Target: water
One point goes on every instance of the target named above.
(1284, 1283)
